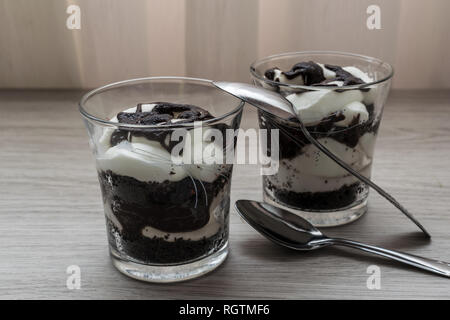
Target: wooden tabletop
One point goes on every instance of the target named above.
(51, 213)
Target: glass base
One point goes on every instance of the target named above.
(171, 273)
(326, 218)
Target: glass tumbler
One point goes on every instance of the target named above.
(165, 185)
(309, 183)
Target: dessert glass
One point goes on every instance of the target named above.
(308, 183)
(167, 220)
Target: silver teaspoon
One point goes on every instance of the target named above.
(292, 231)
(278, 105)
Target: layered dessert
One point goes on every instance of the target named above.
(341, 118)
(160, 208)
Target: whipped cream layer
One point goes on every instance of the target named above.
(147, 160)
(313, 171)
(313, 106)
(318, 103)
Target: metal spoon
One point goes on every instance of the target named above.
(292, 231)
(278, 105)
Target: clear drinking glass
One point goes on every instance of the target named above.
(308, 182)
(166, 219)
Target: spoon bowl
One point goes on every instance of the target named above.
(280, 226)
(292, 231)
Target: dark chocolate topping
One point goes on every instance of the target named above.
(270, 73)
(144, 118)
(162, 114)
(345, 76)
(327, 200)
(327, 128)
(312, 74)
(310, 71)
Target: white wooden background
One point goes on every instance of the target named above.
(215, 39)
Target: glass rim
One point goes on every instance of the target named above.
(109, 86)
(330, 87)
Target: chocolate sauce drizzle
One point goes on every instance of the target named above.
(162, 114)
(312, 74)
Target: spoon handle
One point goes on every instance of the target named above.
(278, 105)
(439, 267)
(362, 178)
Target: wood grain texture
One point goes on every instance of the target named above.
(51, 213)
